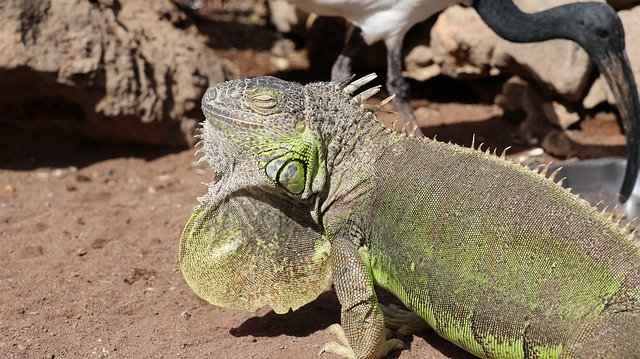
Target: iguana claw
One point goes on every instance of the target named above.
(344, 350)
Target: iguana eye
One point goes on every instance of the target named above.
(263, 99)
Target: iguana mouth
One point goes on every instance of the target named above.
(220, 113)
(215, 111)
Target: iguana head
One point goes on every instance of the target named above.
(277, 135)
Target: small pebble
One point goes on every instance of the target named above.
(535, 152)
(57, 173)
(6, 205)
(281, 63)
(82, 178)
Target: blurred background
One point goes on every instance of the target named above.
(99, 102)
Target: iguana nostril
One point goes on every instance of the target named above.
(212, 93)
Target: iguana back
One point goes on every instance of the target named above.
(496, 258)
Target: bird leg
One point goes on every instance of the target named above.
(396, 84)
(342, 67)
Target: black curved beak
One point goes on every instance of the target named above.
(617, 71)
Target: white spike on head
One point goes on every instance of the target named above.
(355, 85)
(342, 83)
(365, 95)
(387, 100)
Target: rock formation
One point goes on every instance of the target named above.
(106, 70)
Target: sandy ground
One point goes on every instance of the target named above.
(89, 237)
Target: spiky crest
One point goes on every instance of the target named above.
(552, 176)
(341, 84)
(631, 226)
(413, 131)
(387, 100)
(503, 155)
(543, 169)
(355, 85)
(365, 95)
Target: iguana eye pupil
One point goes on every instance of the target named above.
(263, 98)
(265, 104)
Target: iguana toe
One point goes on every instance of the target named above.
(338, 349)
(344, 350)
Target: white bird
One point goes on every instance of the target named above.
(594, 26)
(375, 20)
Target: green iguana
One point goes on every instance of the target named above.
(495, 257)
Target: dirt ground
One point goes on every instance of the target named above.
(89, 248)
(89, 238)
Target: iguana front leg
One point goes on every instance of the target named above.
(361, 317)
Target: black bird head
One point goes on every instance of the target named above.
(598, 30)
(595, 27)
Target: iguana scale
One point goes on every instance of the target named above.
(495, 257)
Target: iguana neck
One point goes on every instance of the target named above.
(352, 157)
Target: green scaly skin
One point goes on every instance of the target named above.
(495, 257)
(240, 263)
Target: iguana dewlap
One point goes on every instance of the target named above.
(496, 258)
